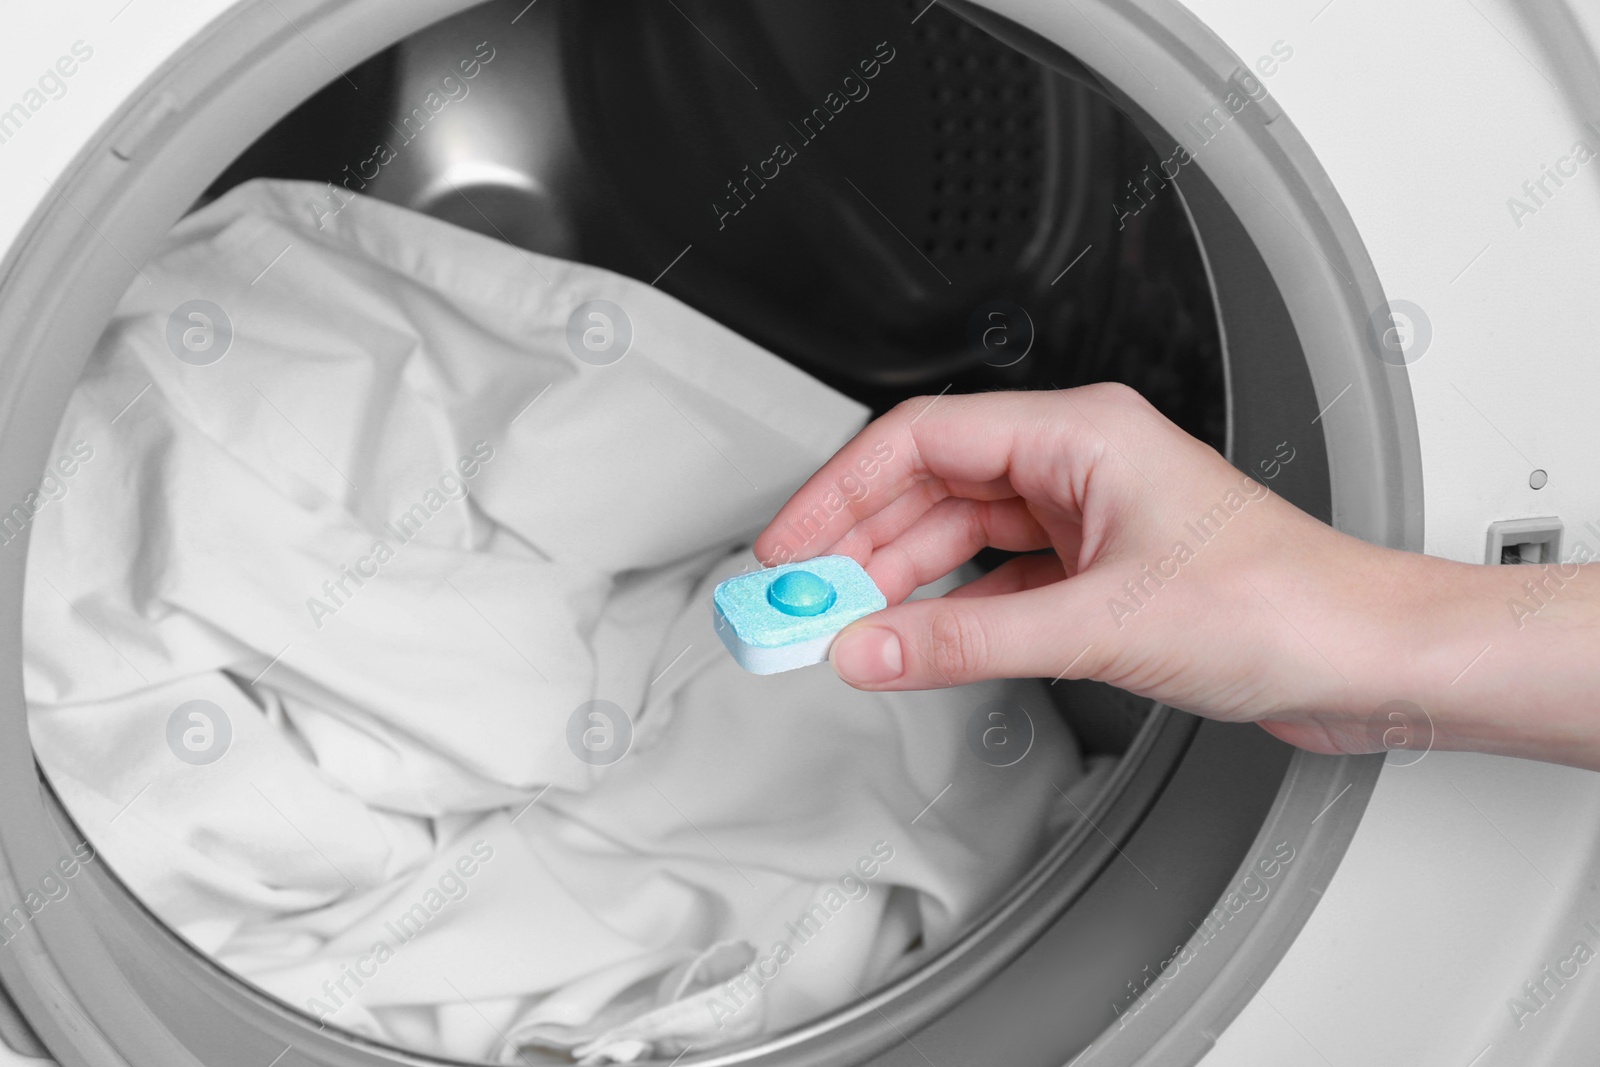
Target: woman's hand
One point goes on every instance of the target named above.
(1154, 566)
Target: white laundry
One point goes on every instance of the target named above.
(398, 837)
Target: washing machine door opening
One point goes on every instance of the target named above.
(1007, 147)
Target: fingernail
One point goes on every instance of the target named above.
(868, 656)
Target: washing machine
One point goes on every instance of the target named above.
(1354, 232)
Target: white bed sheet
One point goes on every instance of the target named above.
(398, 837)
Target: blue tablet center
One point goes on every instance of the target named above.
(801, 593)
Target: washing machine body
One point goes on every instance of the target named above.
(1408, 188)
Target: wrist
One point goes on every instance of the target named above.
(1422, 653)
(1511, 664)
(1439, 645)
(1369, 640)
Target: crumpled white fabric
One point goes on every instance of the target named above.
(399, 838)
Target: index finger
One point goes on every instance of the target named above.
(965, 442)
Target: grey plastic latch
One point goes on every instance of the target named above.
(136, 132)
(1248, 86)
(1524, 541)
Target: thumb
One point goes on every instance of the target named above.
(946, 641)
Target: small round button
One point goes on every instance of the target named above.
(801, 593)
